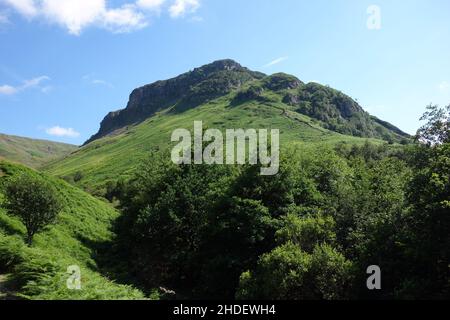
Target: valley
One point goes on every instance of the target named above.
(349, 192)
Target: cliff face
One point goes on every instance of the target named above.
(183, 92)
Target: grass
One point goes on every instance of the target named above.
(31, 152)
(118, 156)
(40, 271)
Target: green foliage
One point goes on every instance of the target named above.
(428, 222)
(306, 232)
(240, 230)
(76, 238)
(437, 128)
(281, 275)
(340, 113)
(165, 213)
(34, 201)
(333, 273)
(309, 232)
(288, 273)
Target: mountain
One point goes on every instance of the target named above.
(223, 95)
(31, 152)
(40, 271)
(187, 90)
(333, 109)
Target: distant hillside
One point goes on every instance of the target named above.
(31, 152)
(223, 95)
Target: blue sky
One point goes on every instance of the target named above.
(64, 64)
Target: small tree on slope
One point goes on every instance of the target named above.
(34, 201)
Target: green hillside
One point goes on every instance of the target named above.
(40, 271)
(31, 152)
(117, 155)
(223, 95)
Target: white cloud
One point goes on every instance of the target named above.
(102, 83)
(150, 4)
(181, 7)
(444, 86)
(8, 90)
(90, 78)
(62, 132)
(35, 82)
(276, 61)
(124, 19)
(24, 7)
(76, 15)
(27, 84)
(72, 14)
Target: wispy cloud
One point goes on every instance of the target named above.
(26, 84)
(76, 15)
(102, 83)
(196, 19)
(444, 86)
(3, 18)
(182, 7)
(276, 61)
(8, 90)
(34, 82)
(58, 131)
(154, 5)
(91, 79)
(24, 7)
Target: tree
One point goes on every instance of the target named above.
(437, 128)
(304, 266)
(34, 201)
(428, 222)
(306, 231)
(289, 273)
(165, 215)
(240, 231)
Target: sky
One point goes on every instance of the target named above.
(64, 64)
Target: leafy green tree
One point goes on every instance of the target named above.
(437, 128)
(426, 234)
(165, 216)
(288, 273)
(240, 231)
(304, 266)
(333, 274)
(34, 201)
(281, 274)
(306, 231)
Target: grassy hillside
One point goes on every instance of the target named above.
(117, 155)
(40, 271)
(224, 95)
(31, 152)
